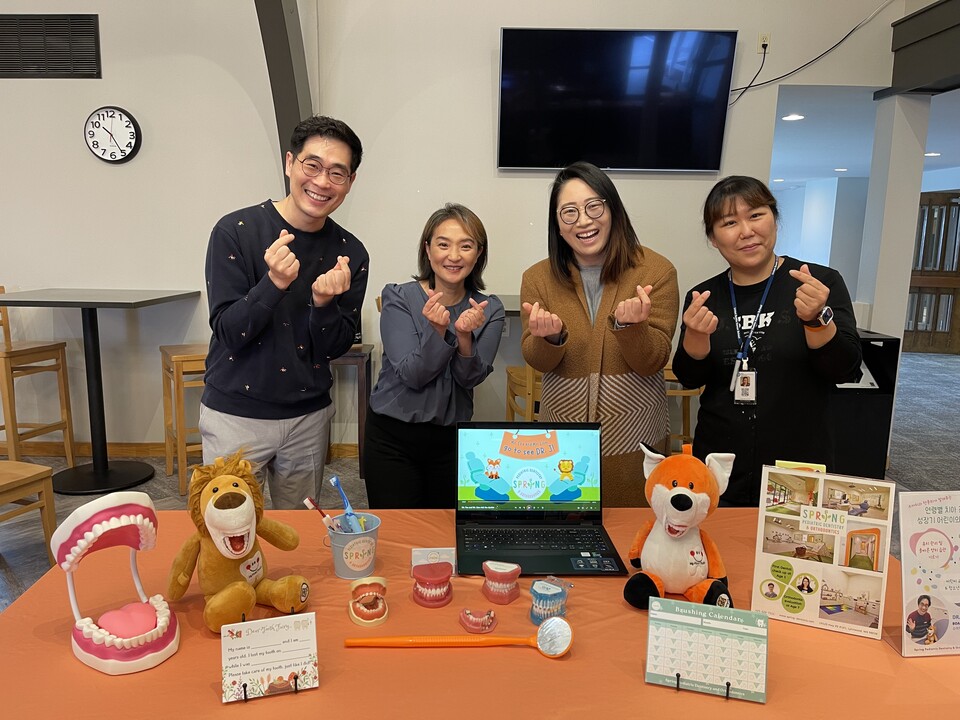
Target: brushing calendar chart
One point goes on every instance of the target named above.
(707, 649)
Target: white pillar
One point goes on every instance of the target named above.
(893, 199)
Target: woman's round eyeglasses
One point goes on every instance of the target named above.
(593, 210)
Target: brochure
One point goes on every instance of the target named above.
(823, 542)
(930, 561)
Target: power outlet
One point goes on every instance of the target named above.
(506, 328)
(763, 39)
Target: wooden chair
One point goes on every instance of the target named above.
(22, 358)
(524, 388)
(676, 389)
(183, 367)
(19, 481)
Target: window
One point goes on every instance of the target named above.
(944, 313)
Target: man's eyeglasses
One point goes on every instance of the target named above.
(593, 210)
(313, 168)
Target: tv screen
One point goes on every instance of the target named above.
(621, 99)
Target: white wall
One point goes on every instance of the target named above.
(939, 180)
(848, 229)
(820, 200)
(417, 79)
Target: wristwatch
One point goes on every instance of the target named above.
(823, 318)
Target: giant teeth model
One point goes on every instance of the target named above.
(140, 635)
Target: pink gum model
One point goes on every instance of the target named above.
(431, 584)
(500, 584)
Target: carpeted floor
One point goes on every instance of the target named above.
(23, 555)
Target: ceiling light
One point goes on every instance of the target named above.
(792, 116)
(778, 179)
(931, 154)
(839, 169)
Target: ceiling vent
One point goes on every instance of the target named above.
(49, 46)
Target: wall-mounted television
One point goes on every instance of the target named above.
(644, 100)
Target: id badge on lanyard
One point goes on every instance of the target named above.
(743, 383)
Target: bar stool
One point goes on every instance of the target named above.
(18, 482)
(676, 389)
(22, 358)
(183, 367)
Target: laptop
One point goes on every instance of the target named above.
(530, 493)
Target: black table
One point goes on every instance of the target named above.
(101, 476)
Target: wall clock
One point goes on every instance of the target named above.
(112, 134)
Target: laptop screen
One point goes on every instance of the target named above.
(528, 469)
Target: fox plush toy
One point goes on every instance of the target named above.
(674, 555)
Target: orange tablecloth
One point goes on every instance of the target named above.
(811, 672)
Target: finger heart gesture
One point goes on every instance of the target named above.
(333, 282)
(436, 312)
(282, 265)
(635, 309)
(812, 295)
(472, 318)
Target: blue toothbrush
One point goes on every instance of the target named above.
(350, 522)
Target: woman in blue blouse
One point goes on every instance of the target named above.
(440, 335)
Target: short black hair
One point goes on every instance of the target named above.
(723, 197)
(924, 597)
(323, 126)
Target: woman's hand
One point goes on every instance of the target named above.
(436, 312)
(635, 309)
(543, 323)
(470, 319)
(812, 295)
(700, 323)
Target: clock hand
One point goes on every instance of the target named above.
(112, 138)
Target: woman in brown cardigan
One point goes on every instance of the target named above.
(598, 321)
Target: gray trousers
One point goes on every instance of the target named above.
(287, 455)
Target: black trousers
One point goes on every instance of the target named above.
(409, 465)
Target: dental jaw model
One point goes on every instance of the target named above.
(431, 584)
(477, 621)
(140, 635)
(500, 582)
(549, 599)
(368, 608)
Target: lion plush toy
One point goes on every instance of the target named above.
(674, 554)
(226, 505)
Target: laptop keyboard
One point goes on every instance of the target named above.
(588, 539)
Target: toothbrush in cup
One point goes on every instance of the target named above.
(327, 520)
(350, 521)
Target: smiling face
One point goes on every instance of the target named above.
(452, 253)
(312, 199)
(745, 237)
(587, 237)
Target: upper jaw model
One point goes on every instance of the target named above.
(431, 586)
(140, 635)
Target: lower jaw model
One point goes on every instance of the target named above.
(431, 584)
(477, 621)
(139, 635)
(368, 606)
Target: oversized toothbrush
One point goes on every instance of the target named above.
(350, 522)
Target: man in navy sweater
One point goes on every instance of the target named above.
(285, 284)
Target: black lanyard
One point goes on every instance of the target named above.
(744, 352)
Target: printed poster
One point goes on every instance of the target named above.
(930, 554)
(823, 544)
